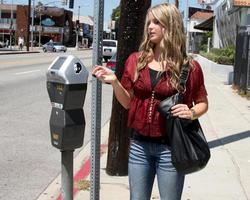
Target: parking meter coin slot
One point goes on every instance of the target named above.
(67, 128)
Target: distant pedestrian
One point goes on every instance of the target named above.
(150, 76)
(7, 43)
(20, 43)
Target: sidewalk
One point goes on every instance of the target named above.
(227, 175)
(15, 50)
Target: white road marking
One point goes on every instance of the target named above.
(27, 72)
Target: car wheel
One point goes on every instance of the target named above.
(44, 50)
(54, 50)
(64, 51)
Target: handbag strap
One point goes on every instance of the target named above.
(183, 77)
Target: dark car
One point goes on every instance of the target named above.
(111, 64)
(54, 47)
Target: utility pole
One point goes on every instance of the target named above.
(11, 25)
(40, 26)
(77, 28)
(32, 23)
(187, 26)
(28, 26)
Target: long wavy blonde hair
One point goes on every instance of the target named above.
(172, 46)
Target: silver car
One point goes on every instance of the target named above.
(54, 47)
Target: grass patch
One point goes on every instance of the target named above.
(83, 185)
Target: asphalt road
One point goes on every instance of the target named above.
(28, 162)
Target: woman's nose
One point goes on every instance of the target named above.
(150, 26)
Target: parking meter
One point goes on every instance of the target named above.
(67, 85)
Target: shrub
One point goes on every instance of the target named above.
(221, 56)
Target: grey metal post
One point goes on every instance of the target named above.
(96, 102)
(67, 175)
(32, 24)
(77, 29)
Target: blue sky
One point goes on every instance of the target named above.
(87, 6)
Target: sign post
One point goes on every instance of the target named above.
(96, 101)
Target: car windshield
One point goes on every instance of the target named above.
(113, 58)
(109, 44)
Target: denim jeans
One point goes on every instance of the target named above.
(146, 160)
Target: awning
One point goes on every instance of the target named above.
(207, 25)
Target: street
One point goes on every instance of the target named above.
(28, 162)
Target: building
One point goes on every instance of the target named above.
(228, 15)
(48, 23)
(84, 26)
(195, 36)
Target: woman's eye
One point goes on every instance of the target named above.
(156, 22)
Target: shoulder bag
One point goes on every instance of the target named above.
(189, 149)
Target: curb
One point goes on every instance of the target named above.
(18, 52)
(82, 166)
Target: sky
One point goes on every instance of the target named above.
(87, 6)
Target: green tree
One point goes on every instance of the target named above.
(131, 26)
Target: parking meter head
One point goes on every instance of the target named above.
(67, 79)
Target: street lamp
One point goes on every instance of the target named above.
(78, 25)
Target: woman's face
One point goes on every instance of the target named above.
(155, 29)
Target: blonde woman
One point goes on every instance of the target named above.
(151, 75)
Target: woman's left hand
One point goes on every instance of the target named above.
(182, 111)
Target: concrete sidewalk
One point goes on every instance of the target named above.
(15, 50)
(227, 175)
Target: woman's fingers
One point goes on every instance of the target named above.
(103, 74)
(97, 67)
(182, 111)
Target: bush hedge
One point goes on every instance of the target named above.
(221, 56)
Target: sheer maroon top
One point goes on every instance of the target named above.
(142, 114)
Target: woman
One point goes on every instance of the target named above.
(150, 76)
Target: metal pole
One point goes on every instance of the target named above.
(77, 28)
(32, 23)
(96, 102)
(28, 26)
(40, 27)
(187, 29)
(67, 175)
(11, 26)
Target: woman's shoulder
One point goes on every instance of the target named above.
(194, 65)
(134, 55)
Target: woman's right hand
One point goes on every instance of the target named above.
(104, 74)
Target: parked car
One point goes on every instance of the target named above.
(109, 49)
(111, 64)
(54, 47)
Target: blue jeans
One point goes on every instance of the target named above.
(146, 160)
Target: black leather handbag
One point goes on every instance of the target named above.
(189, 149)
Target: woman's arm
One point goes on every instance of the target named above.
(108, 76)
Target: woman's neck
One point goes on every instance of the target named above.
(157, 52)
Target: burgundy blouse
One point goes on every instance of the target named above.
(143, 115)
